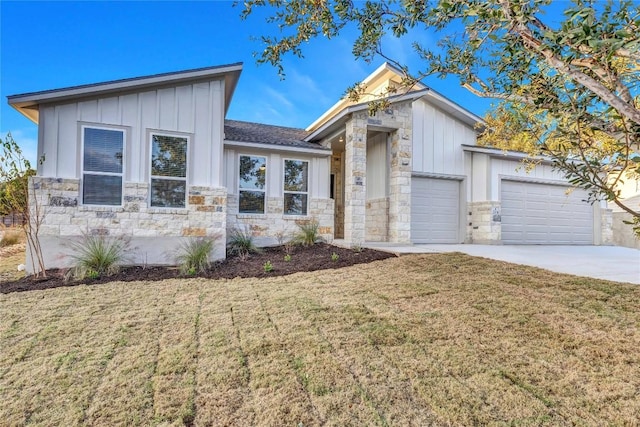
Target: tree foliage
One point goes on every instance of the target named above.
(15, 170)
(576, 78)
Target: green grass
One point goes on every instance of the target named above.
(443, 339)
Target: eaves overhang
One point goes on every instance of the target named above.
(28, 103)
(428, 94)
(498, 153)
(320, 151)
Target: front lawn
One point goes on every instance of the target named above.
(432, 339)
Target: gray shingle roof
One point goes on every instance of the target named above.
(238, 131)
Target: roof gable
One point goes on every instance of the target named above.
(378, 83)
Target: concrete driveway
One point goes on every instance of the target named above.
(601, 262)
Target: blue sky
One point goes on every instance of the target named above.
(48, 45)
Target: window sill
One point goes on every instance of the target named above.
(100, 208)
(295, 217)
(250, 216)
(169, 211)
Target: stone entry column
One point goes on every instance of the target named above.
(355, 178)
(400, 176)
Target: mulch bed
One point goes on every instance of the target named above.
(316, 257)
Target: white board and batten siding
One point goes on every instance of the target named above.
(319, 170)
(195, 110)
(377, 167)
(437, 141)
(438, 164)
(543, 213)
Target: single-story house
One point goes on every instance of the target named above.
(155, 159)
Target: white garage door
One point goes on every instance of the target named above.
(544, 214)
(435, 210)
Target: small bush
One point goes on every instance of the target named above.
(241, 243)
(334, 257)
(308, 234)
(194, 256)
(11, 237)
(268, 267)
(96, 256)
(287, 257)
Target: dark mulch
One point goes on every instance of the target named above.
(316, 257)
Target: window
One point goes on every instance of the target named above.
(252, 184)
(168, 171)
(102, 166)
(296, 178)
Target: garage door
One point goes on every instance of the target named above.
(544, 214)
(435, 210)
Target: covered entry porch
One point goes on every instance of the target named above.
(371, 177)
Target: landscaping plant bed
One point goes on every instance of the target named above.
(316, 257)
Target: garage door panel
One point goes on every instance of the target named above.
(434, 210)
(534, 213)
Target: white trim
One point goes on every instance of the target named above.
(150, 176)
(460, 113)
(28, 103)
(124, 163)
(274, 147)
(437, 176)
(285, 192)
(384, 70)
(498, 153)
(123, 84)
(533, 180)
(266, 186)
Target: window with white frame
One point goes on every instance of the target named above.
(252, 184)
(102, 166)
(296, 188)
(168, 171)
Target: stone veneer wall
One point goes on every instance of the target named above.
(152, 232)
(606, 226)
(621, 233)
(484, 223)
(274, 227)
(355, 179)
(397, 118)
(377, 220)
(400, 172)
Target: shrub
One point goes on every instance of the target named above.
(241, 243)
(287, 257)
(268, 267)
(308, 234)
(194, 255)
(334, 256)
(97, 255)
(11, 237)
